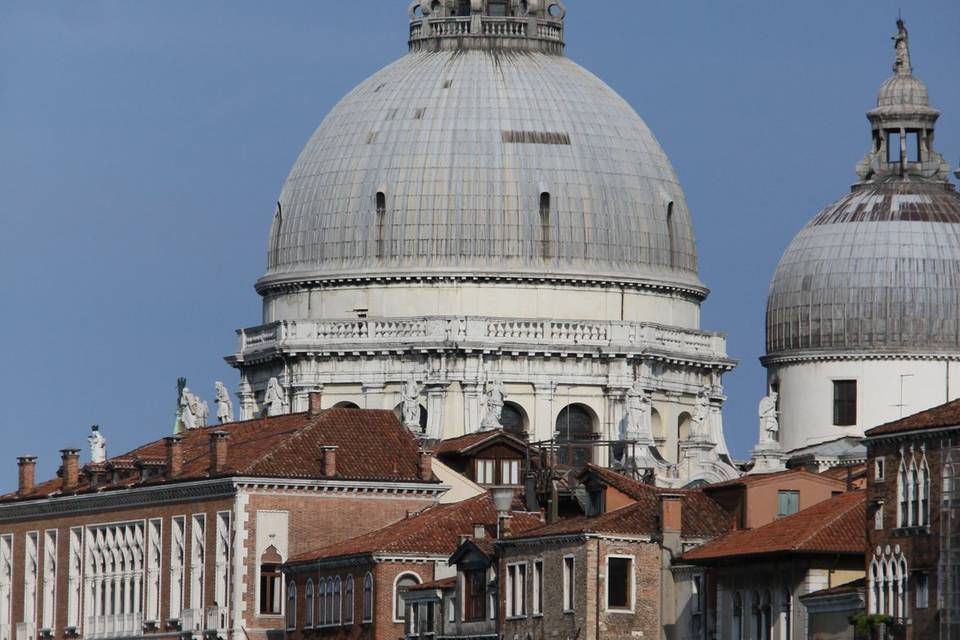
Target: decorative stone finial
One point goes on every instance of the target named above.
(901, 43)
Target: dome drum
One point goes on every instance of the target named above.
(524, 25)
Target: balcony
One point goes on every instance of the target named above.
(26, 631)
(531, 34)
(115, 626)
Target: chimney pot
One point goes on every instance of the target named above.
(425, 470)
(328, 462)
(27, 474)
(314, 401)
(70, 469)
(174, 456)
(218, 451)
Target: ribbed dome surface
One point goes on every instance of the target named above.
(463, 144)
(877, 271)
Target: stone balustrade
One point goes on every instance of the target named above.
(533, 335)
(121, 625)
(507, 29)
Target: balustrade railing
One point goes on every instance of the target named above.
(497, 27)
(5, 632)
(216, 619)
(192, 620)
(114, 626)
(26, 631)
(507, 332)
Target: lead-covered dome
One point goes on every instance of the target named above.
(484, 152)
(878, 271)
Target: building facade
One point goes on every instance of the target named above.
(431, 249)
(912, 557)
(862, 314)
(187, 536)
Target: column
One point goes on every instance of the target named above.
(471, 407)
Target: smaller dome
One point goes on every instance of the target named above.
(903, 90)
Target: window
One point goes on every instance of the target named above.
(512, 419)
(381, 202)
(671, 236)
(913, 146)
(516, 590)
(619, 583)
(348, 609)
(368, 598)
(914, 488)
(893, 146)
(878, 518)
(924, 487)
(785, 614)
(696, 597)
(789, 503)
(329, 602)
(545, 234)
(429, 618)
(737, 617)
(878, 469)
(486, 470)
(337, 601)
(497, 7)
(903, 502)
(403, 582)
(270, 581)
(844, 403)
(322, 597)
(510, 472)
(451, 609)
(308, 605)
(292, 605)
(569, 577)
(920, 582)
(537, 587)
(756, 610)
(475, 595)
(575, 430)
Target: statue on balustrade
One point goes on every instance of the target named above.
(411, 404)
(275, 399)
(639, 408)
(224, 404)
(495, 399)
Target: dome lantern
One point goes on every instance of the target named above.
(525, 25)
(903, 124)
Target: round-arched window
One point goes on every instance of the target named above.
(575, 428)
(513, 418)
(403, 583)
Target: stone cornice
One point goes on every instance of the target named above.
(913, 434)
(800, 356)
(201, 490)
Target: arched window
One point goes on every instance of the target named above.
(368, 598)
(546, 235)
(684, 424)
(331, 611)
(924, 487)
(786, 620)
(766, 613)
(737, 617)
(337, 601)
(403, 582)
(270, 582)
(671, 236)
(902, 577)
(656, 426)
(348, 601)
(292, 605)
(308, 605)
(914, 494)
(274, 257)
(903, 504)
(398, 411)
(756, 613)
(381, 203)
(575, 427)
(513, 419)
(322, 602)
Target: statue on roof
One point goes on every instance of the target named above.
(901, 43)
(411, 404)
(769, 418)
(275, 399)
(224, 404)
(494, 401)
(701, 413)
(98, 445)
(192, 412)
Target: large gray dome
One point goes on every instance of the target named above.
(463, 144)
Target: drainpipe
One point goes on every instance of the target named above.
(597, 592)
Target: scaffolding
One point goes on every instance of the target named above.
(949, 568)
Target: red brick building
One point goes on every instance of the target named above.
(187, 534)
(354, 589)
(913, 529)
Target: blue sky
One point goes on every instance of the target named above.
(143, 145)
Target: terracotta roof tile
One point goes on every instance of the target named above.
(833, 526)
(857, 586)
(946, 415)
(749, 480)
(372, 446)
(442, 585)
(436, 530)
(464, 444)
(840, 473)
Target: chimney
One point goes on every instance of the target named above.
(425, 471)
(313, 406)
(174, 456)
(218, 451)
(328, 463)
(70, 468)
(671, 512)
(27, 474)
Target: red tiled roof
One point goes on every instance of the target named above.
(639, 519)
(442, 585)
(946, 415)
(840, 473)
(857, 586)
(759, 478)
(701, 516)
(434, 531)
(835, 526)
(372, 445)
(464, 444)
